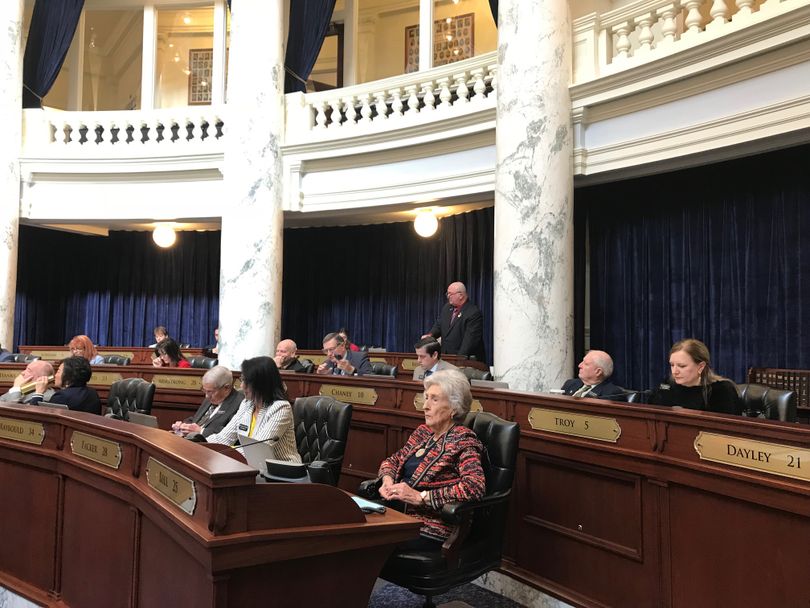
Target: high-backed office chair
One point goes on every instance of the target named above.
(760, 401)
(380, 368)
(201, 362)
(309, 366)
(638, 396)
(183, 345)
(321, 430)
(116, 360)
(475, 547)
(473, 373)
(21, 358)
(130, 394)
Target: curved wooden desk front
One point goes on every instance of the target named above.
(102, 513)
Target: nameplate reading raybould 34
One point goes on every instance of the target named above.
(774, 458)
(176, 487)
(578, 425)
(190, 383)
(96, 449)
(104, 378)
(352, 394)
(22, 430)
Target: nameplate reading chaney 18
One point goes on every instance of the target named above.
(578, 425)
(176, 487)
(350, 394)
(22, 430)
(774, 458)
(96, 449)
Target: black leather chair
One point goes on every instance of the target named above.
(475, 546)
(380, 368)
(21, 358)
(473, 373)
(116, 360)
(130, 395)
(321, 430)
(637, 396)
(201, 362)
(760, 401)
(309, 366)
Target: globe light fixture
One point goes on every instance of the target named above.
(425, 223)
(164, 235)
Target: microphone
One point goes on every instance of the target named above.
(273, 439)
(27, 388)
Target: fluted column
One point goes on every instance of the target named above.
(251, 259)
(533, 263)
(11, 110)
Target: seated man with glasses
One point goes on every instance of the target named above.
(220, 404)
(341, 361)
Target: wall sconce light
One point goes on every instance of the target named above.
(164, 235)
(425, 224)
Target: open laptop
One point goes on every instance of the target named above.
(142, 419)
(58, 406)
(256, 452)
(488, 384)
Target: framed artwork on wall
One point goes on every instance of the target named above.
(200, 62)
(453, 40)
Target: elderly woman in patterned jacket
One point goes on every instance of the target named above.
(441, 461)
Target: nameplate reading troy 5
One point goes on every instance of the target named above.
(352, 394)
(174, 486)
(578, 425)
(96, 449)
(773, 458)
(191, 383)
(104, 378)
(22, 430)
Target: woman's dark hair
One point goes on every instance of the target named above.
(75, 371)
(169, 347)
(261, 375)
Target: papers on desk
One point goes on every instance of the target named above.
(366, 506)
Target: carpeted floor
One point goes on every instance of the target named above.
(386, 595)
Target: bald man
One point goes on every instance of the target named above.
(32, 371)
(460, 325)
(594, 370)
(286, 357)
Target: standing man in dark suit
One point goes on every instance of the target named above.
(341, 361)
(460, 325)
(220, 404)
(594, 370)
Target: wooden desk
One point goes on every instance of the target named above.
(405, 362)
(102, 513)
(138, 355)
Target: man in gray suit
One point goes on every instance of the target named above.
(24, 387)
(221, 402)
(429, 355)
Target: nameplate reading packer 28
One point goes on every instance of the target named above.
(174, 486)
(191, 383)
(773, 458)
(578, 425)
(96, 449)
(104, 378)
(22, 430)
(352, 394)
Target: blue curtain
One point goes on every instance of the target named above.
(53, 24)
(309, 21)
(384, 283)
(493, 6)
(719, 253)
(115, 289)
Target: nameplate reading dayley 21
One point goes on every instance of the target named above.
(578, 425)
(174, 486)
(774, 458)
(352, 394)
(22, 430)
(96, 449)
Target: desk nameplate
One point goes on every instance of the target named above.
(176, 487)
(577, 425)
(774, 458)
(104, 378)
(476, 406)
(352, 394)
(378, 359)
(410, 364)
(8, 375)
(120, 353)
(189, 383)
(316, 359)
(51, 355)
(22, 430)
(96, 449)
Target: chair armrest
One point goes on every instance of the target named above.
(460, 515)
(370, 488)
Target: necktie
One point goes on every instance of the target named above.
(583, 390)
(454, 316)
(428, 373)
(207, 417)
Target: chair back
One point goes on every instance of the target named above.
(638, 396)
(21, 358)
(473, 373)
(130, 394)
(500, 440)
(116, 359)
(309, 366)
(201, 362)
(760, 401)
(321, 430)
(381, 368)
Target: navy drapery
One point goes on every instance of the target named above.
(309, 21)
(493, 6)
(53, 24)
(115, 289)
(719, 253)
(384, 283)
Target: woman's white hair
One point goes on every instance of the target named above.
(456, 388)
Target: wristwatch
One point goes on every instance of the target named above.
(423, 494)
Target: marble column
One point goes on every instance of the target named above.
(252, 223)
(533, 261)
(11, 56)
